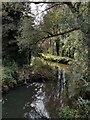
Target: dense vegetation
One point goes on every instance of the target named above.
(63, 36)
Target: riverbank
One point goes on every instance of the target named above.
(13, 76)
(41, 72)
(33, 77)
(58, 59)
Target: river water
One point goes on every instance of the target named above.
(38, 100)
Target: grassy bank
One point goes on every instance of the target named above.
(58, 59)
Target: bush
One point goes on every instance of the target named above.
(81, 113)
(7, 74)
(8, 80)
(84, 106)
(67, 112)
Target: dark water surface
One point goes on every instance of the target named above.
(38, 100)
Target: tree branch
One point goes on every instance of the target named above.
(71, 6)
(74, 8)
(62, 33)
(55, 35)
(78, 5)
(48, 9)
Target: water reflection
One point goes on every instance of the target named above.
(39, 100)
(57, 93)
(38, 109)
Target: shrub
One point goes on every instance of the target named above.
(67, 112)
(7, 74)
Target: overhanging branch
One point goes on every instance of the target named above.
(48, 9)
(55, 35)
(62, 33)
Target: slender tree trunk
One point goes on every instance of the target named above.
(52, 48)
(57, 47)
(50, 43)
(29, 57)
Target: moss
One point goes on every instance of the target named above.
(53, 58)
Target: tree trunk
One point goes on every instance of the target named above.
(57, 47)
(50, 43)
(29, 57)
(53, 48)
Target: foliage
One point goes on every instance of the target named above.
(22, 39)
(10, 28)
(8, 72)
(7, 76)
(40, 66)
(58, 20)
(70, 113)
(84, 106)
(11, 17)
(26, 38)
(64, 60)
(30, 36)
(67, 112)
(7, 79)
(11, 75)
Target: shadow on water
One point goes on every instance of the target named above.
(39, 100)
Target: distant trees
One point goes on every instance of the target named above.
(67, 19)
(57, 24)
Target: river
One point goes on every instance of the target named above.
(38, 100)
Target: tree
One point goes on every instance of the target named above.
(26, 40)
(30, 36)
(81, 13)
(11, 16)
(56, 22)
(73, 17)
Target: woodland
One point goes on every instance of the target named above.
(34, 49)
